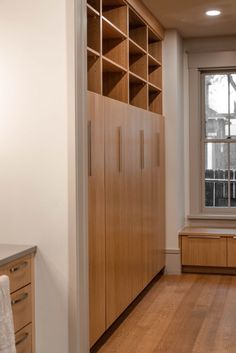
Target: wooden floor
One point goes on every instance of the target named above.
(181, 314)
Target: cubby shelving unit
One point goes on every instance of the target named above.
(124, 55)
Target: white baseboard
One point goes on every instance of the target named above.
(173, 263)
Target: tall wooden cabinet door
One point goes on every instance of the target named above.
(147, 195)
(118, 279)
(96, 216)
(158, 201)
(133, 179)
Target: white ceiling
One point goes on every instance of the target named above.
(188, 16)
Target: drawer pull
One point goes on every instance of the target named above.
(20, 299)
(234, 238)
(202, 237)
(19, 267)
(23, 337)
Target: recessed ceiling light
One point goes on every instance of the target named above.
(213, 13)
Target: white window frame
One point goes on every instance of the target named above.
(204, 140)
(198, 62)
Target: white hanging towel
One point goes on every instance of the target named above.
(7, 337)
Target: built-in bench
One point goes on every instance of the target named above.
(208, 250)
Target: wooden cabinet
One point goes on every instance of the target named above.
(231, 251)
(204, 251)
(21, 276)
(208, 250)
(96, 203)
(24, 340)
(125, 155)
(118, 284)
(126, 220)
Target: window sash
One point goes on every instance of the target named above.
(204, 140)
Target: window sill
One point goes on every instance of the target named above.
(228, 217)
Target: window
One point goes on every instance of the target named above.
(219, 139)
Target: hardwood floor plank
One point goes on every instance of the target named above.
(181, 314)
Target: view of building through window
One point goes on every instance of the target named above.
(220, 139)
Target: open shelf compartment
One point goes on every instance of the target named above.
(94, 71)
(138, 64)
(154, 72)
(137, 30)
(95, 4)
(155, 99)
(138, 95)
(114, 45)
(93, 30)
(154, 46)
(115, 81)
(116, 12)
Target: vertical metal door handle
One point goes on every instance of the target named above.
(120, 149)
(142, 149)
(89, 148)
(158, 149)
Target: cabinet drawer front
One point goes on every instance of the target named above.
(19, 273)
(231, 245)
(24, 340)
(204, 251)
(22, 307)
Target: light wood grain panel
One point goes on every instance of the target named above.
(147, 196)
(133, 185)
(231, 252)
(19, 272)
(118, 280)
(24, 340)
(96, 204)
(202, 251)
(158, 183)
(22, 307)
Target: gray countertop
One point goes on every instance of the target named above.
(10, 253)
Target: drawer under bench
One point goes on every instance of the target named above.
(208, 250)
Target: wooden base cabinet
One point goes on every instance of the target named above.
(126, 206)
(208, 250)
(231, 251)
(21, 276)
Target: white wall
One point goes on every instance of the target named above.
(33, 153)
(173, 60)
